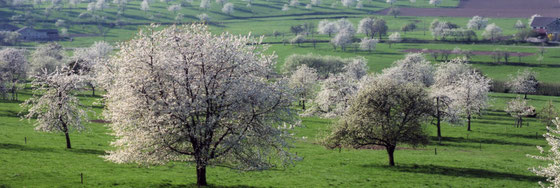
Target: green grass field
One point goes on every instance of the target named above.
(492, 155)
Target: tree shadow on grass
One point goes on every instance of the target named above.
(458, 172)
(516, 64)
(531, 135)
(10, 113)
(88, 151)
(25, 148)
(480, 140)
(194, 185)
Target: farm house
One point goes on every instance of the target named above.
(547, 26)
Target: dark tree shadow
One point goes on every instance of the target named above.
(194, 185)
(458, 172)
(25, 148)
(10, 113)
(88, 151)
(479, 140)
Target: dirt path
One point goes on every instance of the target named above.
(489, 8)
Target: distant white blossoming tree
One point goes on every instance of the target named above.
(394, 38)
(368, 44)
(327, 27)
(303, 81)
(435, 2)
(470, 95)
(228, 8)
(518, 108)
(492, 32)
(13, 71)
(85, 61)
(477, 22)
(524, 83)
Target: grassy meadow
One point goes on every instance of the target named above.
(492, 155)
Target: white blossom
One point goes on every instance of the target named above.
(368, 44)
(519, 25)
(347, 3)
(174, 8)
(518, 108)
(359, 5)
(524, 83)
(47, 57)
(366, 26)
(342, 39)
(469, 94)
(294, 3)
(203, 17)
(492, 32)
(477, 23)
(413, 68)
(185, 94)
(228, 8)
(435, 2)
(316, 2)
(395, 38)
(145, 6)
(54, 104)
(204, 4)
(552, 170)
(13, 71)
(303, 81)
(285, 7)
(327, 27)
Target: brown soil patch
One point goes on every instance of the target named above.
(513, 54)
(489, 8)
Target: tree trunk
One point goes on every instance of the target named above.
(438, 114)
(92, 91)
(303, 104)
(525, 96)
(469, 123)
(14, 96)
(390, 151)
(68, 145)
(65, 130)
(201, 175)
